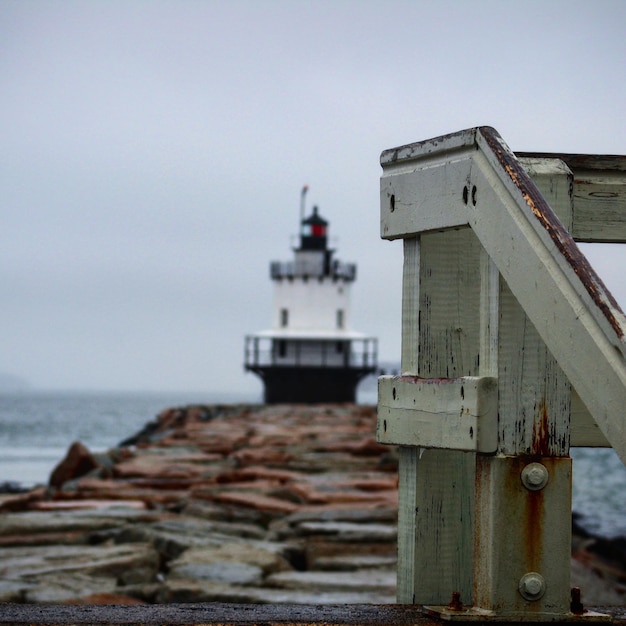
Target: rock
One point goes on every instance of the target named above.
(260, 502)
(596, 588)
(126, 564)
(171, 537)
(219, 572)
(351, 563)
(57, 574)
(205, 591)
(242, 563)
(55, 527)
(349, 532)
(12, 486)
(297, 596)
(13, 591)
(186, 590)
(22, 501)
(60, 589)
(82, 505)
(225, 520)
(613, 551)
(106, 598)
(77, 462)
(383, 581)
(143, 593)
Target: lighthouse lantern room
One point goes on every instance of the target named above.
(310, 354)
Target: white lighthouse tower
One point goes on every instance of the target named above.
(310, 354)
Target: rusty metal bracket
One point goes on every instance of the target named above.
(472, 614)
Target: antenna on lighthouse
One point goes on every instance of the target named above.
(302, 197)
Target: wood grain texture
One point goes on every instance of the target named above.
(454, 414)
(598, 194)
(495, 287)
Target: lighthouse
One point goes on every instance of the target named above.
(310, 354)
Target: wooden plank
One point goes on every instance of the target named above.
(408, 457)
(455, 414)
(435, 533)
(600, 207)
(416, 202)
(598, 195)
(408, 206)
(444, 525)
(410, 306)
(535, 402)
(570, 308)
(449, 344)
(407, 535)
(402, 158)
(534, 394)
(449, 305)
(555, 181)
(489, 316)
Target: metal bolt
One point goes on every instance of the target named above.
(576, 606)
(532, 586)
(535, 476)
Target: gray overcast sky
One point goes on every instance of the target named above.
(153, 153)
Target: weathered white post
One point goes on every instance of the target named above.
(501, 316)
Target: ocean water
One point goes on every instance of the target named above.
(599, 490)
(36, 429)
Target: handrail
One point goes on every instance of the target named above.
(487, 189)
(512, 347)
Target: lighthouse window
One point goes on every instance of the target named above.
(284, 317)
(340, 320)
(282, 348)
(340, 347)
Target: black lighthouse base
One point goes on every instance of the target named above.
(310, 384)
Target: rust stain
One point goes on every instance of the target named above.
(559, 235)
(541, 431)
(531, 512)
(455, 602)
(418, 380)
(533, 529)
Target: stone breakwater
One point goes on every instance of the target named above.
(238, 503)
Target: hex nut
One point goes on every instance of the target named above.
(535, 476)
(532, 586)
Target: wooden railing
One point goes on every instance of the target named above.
(512, 348)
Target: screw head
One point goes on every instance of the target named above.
(532, 586)
(535, 476)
